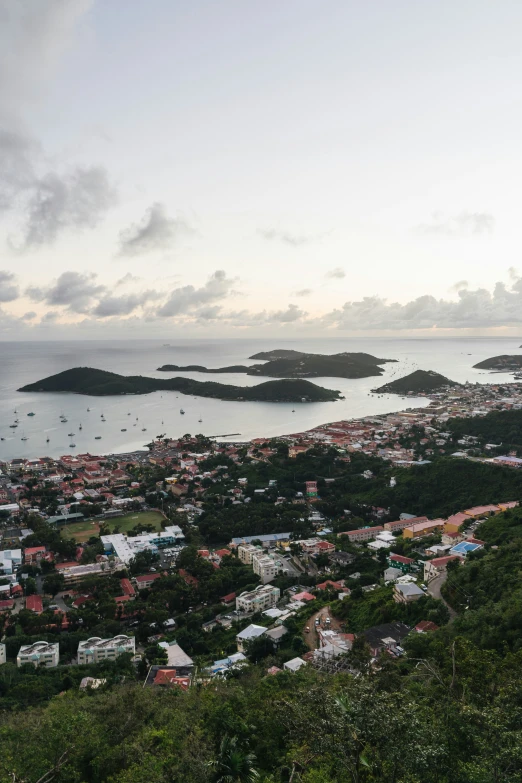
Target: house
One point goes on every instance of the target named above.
(276, 634)
(329, 585)
(39, 654)
(426, 625)
(34, 554)
(95, 649)
(176, 656)
(146, 581)
(247, 635)
(263, 597)
(10, 559)
(34, 603)
(452, 538)
(385, 637)
(169, 677)
(391, 574)
(363, 534)
(294, 665)
(234, 661)
(228, 599)
(399, 561)
(407, 594)
(341, 558)
(304, 596)
(455, 522)
(437, 566)
(127, 588)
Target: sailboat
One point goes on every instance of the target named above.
(24, 437)
(80, 427)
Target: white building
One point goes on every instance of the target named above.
(294, 665)
(176, 656)
(263, 597)
(246, 552)
(3, 655)
(10, 559)
(95, 649)
(265, 567)
(39, 654)
(127, 547)
(247, 635)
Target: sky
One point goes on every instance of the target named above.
(262, 167)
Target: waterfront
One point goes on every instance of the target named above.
(24, 363)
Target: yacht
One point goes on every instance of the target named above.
(24, 437)
(31, 414)
(144, 429)
(2, 438)
(13, 426)
(70, 434)
(47, 440)
(80, 427)
(97, 437)
(72, 445)
(88, 410)
(200, 420)
(124, 430)
(181, 410)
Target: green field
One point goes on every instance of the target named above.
(82, 531)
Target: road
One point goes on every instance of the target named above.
(434, 587)
(311, 639)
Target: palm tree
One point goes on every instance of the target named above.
(233, 764)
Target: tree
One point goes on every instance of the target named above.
(233, 764)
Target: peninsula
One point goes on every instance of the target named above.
(100, 383)
(503, 363)
(420, 381)
(282, 363)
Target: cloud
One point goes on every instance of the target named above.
(335, 274)
(72, 290)
(477, 308)
(295, 240)
(292, 313)
(156, 231)
(462, 225)
(303, 292)
(9, 291)
(459, 286)
(186, 298)
(122, 305)
(28, 316)
(128, 278)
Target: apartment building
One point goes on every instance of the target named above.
(95, 649)
(363, 534)
(400, 524)
(265, 567)
(39, 654)
(423, 528)
(263, 597)
(246, 552)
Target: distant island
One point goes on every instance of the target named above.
(504, 363)
(100, 383)
(425, 381)
(282, 363)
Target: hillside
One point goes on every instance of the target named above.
(425, 381)
(294, 364)
(497, 427)
(504, 363)
(88, 380)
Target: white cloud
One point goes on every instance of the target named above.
(71, 290)
(186, 298)
(156, 231)
(9, 291)
(335, 274)
(461, 225)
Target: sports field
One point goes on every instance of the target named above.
(82, 531)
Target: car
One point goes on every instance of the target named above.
(307, 629)
(423, 587)
(317, 621)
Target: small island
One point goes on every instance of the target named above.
(282, 363)
(420, 381)
(504, 363)
(100, 383)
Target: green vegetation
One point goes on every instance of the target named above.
(80, 531)
(504, 363)
(426, 381)
(152, 519)
(87, 380)
(502, 427)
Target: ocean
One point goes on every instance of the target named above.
(131, 421)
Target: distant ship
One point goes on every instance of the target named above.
(181, 410)
(72, 445)
(31, 414)
(97, 437)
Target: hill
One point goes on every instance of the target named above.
(88, 380)
(425, 381)
(504, 363)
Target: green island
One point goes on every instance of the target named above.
(425, 381)
(100, 383)
(284, 363)
(503, 363)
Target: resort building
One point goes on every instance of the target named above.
(39, 654)
(95, 649)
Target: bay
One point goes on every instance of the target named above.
(25, 362)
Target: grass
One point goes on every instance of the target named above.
(82, 531)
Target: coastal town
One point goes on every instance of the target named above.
(137, 546)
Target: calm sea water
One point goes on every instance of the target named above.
(22, 363)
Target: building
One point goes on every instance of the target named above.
(385, 637)
(247, 635)
(264, 566)
(455, 522)
(10, 559)
(400, 524)
(479, 512)
(426, 625)
(146, 580)
(74, 573)
(39, 654)
(177, 657)
(423, 528)
(407, 594)
(3, 655)
(127, 547)
(294, 665)
(311, 489)
(437, 566)
(34, 554)
(391, 574)
(34, 603)
(399, 561)
(95, 649)
(268, 540)
(246, 552)
(363, 534)
(263, 597)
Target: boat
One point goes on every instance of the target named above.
(17, 421)
(200, 420)
(13, 426)
(47, 440)
(123, 429)
(97, 437)
(24, 437)
(64, 421)
(2, 438)
(88, 410)
(72, 445)
(181, 410)
(80, 427)
(70, 434)
(293, 410)
(31, 414)
(144, 429)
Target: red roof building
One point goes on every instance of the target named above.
(188, 578)
(127, 587)
(34, 603)
(146, 580)
(401, 559)
(426, 625)
(329, 585)
(222, 552)
(34, 554)
(304, 596)
(228, 599)
(170, 679)
(6, 605)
